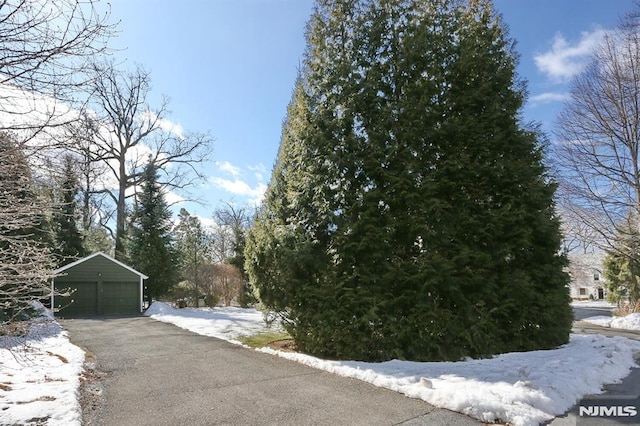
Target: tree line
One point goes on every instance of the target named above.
(50, 215)
(411, 213)
(86, 162)
(43, 63)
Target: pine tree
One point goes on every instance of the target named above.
(409, 214)
(68, 239)
(151, 245)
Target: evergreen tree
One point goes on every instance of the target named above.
(281, 258)
(25, 259)
(193, 245)
(409, 214)
(96, 238)
(151, 245)
(246, 297)
(506, 241)
(68, 239)
(622, 269)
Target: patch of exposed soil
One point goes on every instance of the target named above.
(91, 397)
(38, 421)
(284, 345)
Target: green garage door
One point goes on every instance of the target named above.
(120, 298)
(82, 302)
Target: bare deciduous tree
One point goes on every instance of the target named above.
(235, 221)
(95, 210)
(45, 49)
(130, 134)
(222, 241)
(223, 281)
(232, 222)
(227, 282)
(25, 262)
(599, 132)
(579, 237)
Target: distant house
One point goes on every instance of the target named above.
(587, 281)
(97, 285)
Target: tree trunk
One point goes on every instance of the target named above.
(121, 213)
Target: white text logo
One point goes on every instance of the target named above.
(613, 411)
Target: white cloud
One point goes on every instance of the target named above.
(171, 127)
(259, 171)
(239, 187)
(549, 97)
(227, 167)
(172, 198)
(163, 123)
(24, 113)
(564, 60)
(241, 182)
(207, 222)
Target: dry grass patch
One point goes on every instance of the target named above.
(276, 340)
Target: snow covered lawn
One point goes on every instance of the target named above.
(40, 377)
(224, 323)
(520, 388)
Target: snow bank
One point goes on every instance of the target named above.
(628, 322)
(40, 376)
(525, 388)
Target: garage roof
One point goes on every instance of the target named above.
(84, 259)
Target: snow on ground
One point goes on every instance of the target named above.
(628, 322)
(520, 388)
(40, 373)
(592, 304)
(226, 323)
(40, 377)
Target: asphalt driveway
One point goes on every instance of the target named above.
(159, 374)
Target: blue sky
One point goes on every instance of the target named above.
(229, 66)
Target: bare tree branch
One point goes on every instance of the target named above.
(25, 262)
(129, 133)
(599, 133)
(45, 50)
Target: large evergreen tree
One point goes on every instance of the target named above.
(152, 248)
(409, 213)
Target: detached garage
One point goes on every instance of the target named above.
(97, 285)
